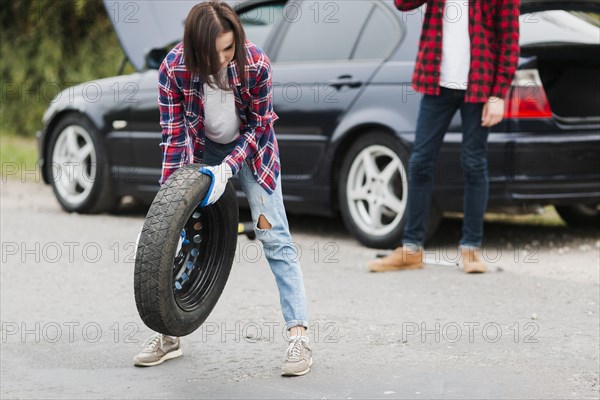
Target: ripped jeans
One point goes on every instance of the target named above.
(277, 241)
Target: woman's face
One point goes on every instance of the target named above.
(225, 48)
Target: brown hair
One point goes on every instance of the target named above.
(204, 23)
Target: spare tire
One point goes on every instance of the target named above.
(184, 253)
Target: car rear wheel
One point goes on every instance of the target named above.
(184, 253)
(373, 191)
(78, 167)
(580, 215)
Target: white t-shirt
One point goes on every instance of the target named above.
(456, 45)
(221, 122)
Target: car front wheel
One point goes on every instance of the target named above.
(373, 191)
(78, 167)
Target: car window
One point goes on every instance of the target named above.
(379, 37)
(559, 26)
(322, 30)
(259, 22)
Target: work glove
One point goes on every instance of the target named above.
(219, 175)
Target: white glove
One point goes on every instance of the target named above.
(219, 174)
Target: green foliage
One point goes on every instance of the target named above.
(46, 46)
(18, 158)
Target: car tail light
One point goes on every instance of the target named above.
(527, 97)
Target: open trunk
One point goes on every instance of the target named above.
(562, 40)
(570, 74)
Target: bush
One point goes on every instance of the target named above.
(46, 46)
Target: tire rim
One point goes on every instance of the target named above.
(196, 266)
(376, 190)
(74, 164)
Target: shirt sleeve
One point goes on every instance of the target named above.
(507, 31)
(174, 137)
(259, 116)
(406, 5)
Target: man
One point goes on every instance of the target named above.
(467, 57)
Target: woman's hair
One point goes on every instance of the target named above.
(204, 23)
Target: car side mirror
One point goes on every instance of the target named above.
(155, 57)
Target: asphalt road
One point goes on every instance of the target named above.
(528, 329)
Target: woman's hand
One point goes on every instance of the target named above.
(219, 174)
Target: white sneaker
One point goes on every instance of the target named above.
(298, 357)
(159, 348)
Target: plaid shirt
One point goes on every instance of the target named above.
(181, 99)
(494, 32)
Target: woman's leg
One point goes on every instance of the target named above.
(272, 229)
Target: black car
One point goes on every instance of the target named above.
(341, 75)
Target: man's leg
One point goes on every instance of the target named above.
(435, 114)
(474, 162)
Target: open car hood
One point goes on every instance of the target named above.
(145, 25)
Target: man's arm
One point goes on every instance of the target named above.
(174, 138)
(406, 5)
(259, 117)
(507, 33)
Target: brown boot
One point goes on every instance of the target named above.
(402, 258)
(471, 260)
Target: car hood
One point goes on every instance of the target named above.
(99, 94)
(145, 25)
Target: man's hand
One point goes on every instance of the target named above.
(219, 174)
(493, 112)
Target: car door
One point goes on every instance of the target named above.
(316, 78)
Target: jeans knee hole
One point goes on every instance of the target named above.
(263, 223)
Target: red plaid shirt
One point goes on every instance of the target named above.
(181, 99)
(494, 32)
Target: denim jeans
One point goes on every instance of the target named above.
(435, 114)
(277, 241)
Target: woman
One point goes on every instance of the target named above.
(215, 100)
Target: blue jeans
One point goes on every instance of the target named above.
(435, 114)
(277, 241)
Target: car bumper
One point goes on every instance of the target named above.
(530, 168)
(556, 169)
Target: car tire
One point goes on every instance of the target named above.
(580, 215)
(162, 253)
(78, 167)
(387, 190)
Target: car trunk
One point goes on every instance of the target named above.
(562, 41)
(570, 74)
